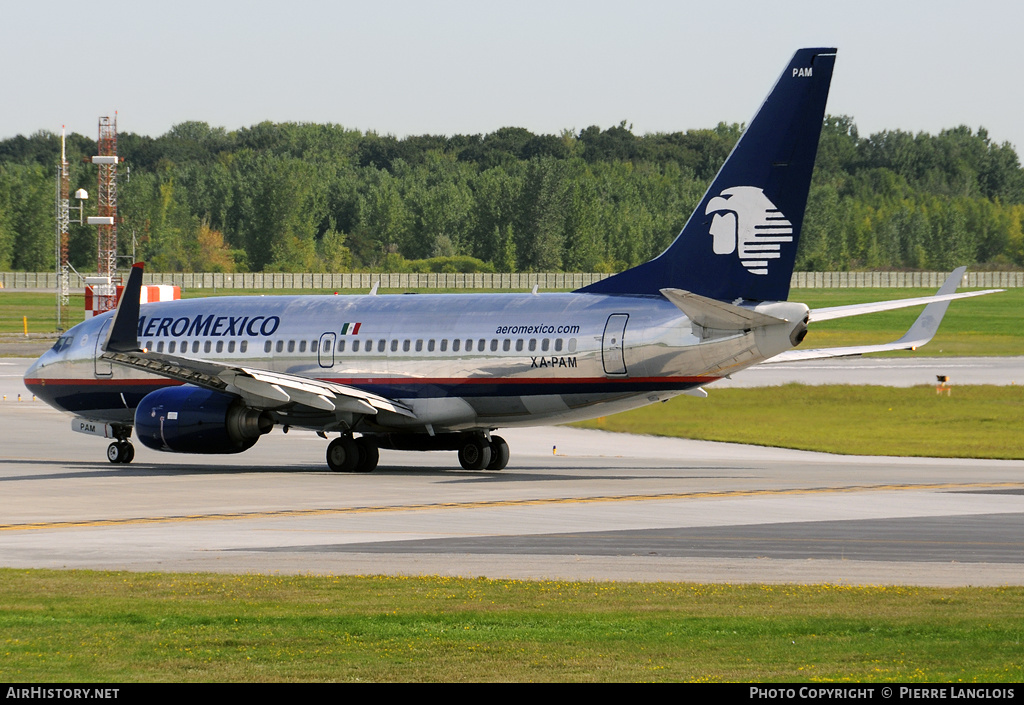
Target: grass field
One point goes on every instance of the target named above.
(973, 422)
(988, 325)
(127, 627)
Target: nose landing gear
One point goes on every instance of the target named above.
(121, 450)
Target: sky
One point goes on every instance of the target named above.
(451, 67)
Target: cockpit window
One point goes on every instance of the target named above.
(63, 343)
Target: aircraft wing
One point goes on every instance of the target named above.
(261, 389)
(921, 332)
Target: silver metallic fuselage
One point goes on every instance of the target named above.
(520, 359)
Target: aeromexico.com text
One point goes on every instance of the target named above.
(537, 330)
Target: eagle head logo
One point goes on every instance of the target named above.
(747, 222)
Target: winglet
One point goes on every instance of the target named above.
(123, 335)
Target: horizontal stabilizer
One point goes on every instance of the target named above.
(920, 333)
(946, 293)
(717, 315)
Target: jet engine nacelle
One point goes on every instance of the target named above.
(192, 420)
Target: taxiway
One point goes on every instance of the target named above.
(600, 507)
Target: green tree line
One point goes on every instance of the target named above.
(311, 197)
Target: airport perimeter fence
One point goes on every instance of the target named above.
(519, 281)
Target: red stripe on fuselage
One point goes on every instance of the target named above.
(356, 381)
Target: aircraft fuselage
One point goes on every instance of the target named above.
(460, 362)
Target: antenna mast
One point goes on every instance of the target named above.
(63, 223)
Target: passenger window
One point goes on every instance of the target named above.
(572, 345)
(314, 345)
(368, 346)
(266, 346)
(341, 346)
(355, 346)
(302, 346)
(419, 346)
(149, 345)
(558, 345)
(519, 345)
(481, 345)
(405, 345)
(533, 344)
(207, 346)
(160, 346)
(455, 344)
(291, 346)
(220, 346)
(381, 344)
(243, 346)
(494, 345)
(507, 345)
(394, 345)
(170, 348)
(195, 345)
(231, 346)
(430, 346)
(444, 344)
(545, 344)
(280, 346)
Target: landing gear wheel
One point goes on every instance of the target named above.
(120, 452)
(499, 453)
(475, 454)
(369, 455)
(342, 455)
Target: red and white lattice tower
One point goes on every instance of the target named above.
(106, 160)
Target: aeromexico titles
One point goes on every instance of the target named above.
(444, 372)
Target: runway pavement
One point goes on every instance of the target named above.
(605, 506)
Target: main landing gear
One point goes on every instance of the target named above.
(347, 454)
(475, 450)
(478, 453)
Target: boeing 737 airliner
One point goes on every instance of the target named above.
(442, 372)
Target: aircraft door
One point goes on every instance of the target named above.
(612, 349)
(325, 351)
(102, 368)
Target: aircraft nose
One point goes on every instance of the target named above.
(33, 370)
(36, 374)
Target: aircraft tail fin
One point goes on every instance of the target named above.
(741, 241)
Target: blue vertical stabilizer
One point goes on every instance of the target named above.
(741, 241)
